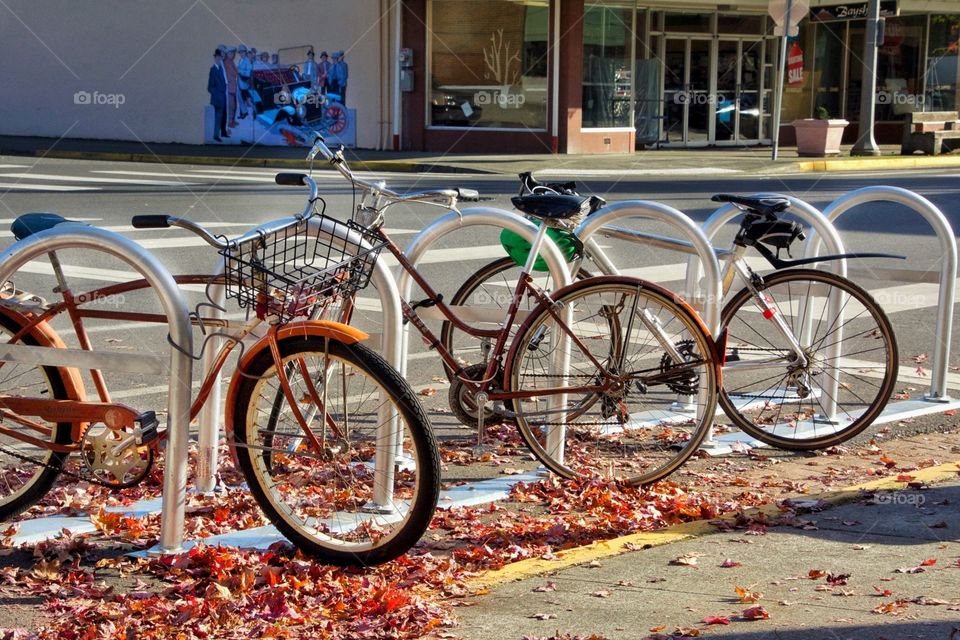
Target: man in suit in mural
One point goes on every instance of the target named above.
(339, 72)
(217, 88)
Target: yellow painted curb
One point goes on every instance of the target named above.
(647, 539)
(877, 164)
(392, 166)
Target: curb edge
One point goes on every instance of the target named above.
(606, 548)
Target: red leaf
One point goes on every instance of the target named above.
(929, 562)
(728, 563)
(716, 620)
(756, 613)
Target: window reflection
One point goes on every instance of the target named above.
(607, 61)
(488, 64)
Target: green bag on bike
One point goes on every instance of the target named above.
(519, 249)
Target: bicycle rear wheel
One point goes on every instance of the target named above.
(660, 359)
(785, 404)
(488, 291)
(340, 501)
(23, 483)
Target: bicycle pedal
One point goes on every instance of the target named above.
(147, 424)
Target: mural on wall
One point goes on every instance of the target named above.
(278, 99)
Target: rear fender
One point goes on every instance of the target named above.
(323, 328)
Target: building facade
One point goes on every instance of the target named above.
(524, 76)
(614, 75)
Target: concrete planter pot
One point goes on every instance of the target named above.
(819, 138)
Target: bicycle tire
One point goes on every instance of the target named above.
(635, 437)
(340, 489)
(32, 488)
(864, 324)
(491, 279)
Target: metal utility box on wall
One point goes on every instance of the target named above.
(406, 80)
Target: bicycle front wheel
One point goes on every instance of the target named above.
(362, 486)
(839, 386)
(639, 392)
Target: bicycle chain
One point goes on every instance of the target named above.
(59, 470)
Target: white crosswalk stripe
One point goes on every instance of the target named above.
(66, 178)
(24, 186)
(191, 176)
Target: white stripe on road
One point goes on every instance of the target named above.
(66, 178)
(13, 166)
(688, 171)
(168, 174)
(44, 187)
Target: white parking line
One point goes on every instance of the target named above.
(65, 178)
(168, 174)
(44, 187)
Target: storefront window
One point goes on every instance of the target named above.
(899, 68)
(942, 73)
(607, 55)
(688, 22)
(488, 64)
(830, 51)
(740, 24)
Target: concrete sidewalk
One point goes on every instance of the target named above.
(663, 162)
(886, 565)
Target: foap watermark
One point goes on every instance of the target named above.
(502, 99)
(96, 98)
(116, 300)
(901, 498)
(306, 98)
(698, 98)
(899, 99)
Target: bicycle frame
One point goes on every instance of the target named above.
(81, 412)
(523, 287)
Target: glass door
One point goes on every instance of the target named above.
(738, 98)
(686, 90)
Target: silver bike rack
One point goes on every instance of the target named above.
(180, 371)
(602, 223)
(210, 427)
(948, 277)
(487, 216)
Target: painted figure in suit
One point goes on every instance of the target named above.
(217, 88)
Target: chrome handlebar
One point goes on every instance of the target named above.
(336, 159)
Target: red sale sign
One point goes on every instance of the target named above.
(795, 65)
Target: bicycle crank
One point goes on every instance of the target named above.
(118, 458)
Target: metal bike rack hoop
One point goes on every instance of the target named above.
(662, 213)
(557, 266)
(180, 382)
(475, 217)
(381, 279)
(822, 228)
(948, 270)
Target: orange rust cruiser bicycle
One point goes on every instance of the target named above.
(333, 443)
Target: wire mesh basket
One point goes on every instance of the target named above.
(285, 275)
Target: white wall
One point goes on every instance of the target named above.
(157, 54)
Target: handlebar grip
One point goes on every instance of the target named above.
(468, 195)
(150, 221)
(291, 179)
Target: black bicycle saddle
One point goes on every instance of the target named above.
(552, 206)
(768, 207)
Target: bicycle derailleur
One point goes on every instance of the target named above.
(119, 457)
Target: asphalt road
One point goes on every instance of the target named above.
(232, 200)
